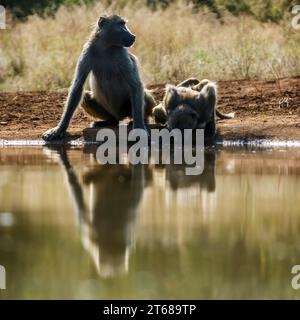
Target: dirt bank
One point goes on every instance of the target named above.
(264, 109)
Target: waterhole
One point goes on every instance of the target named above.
(75, 229)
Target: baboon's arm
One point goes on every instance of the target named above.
(83, 69)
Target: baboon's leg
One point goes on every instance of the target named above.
(208, 93)
(200, 85)
(188, 82)
(220, 114)
(159, 114)
(94, 109)
(150, 103)
(210, 128)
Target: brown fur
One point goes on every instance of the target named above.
(190, 105)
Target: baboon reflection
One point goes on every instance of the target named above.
(107, 220)
(177, 178)
(107, 216)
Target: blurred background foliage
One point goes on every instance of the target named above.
(176, 39)
(263, 10)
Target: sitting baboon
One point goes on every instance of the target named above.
(190, 105)
(117, 90)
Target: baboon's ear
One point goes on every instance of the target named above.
(101, 21)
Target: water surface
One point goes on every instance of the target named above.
(72, 228)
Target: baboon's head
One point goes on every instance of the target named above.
(178, 101)
(114, 31)
(182, 117)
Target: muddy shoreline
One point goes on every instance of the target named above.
(263, 110)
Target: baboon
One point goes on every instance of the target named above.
(190, 105)
(117, 90)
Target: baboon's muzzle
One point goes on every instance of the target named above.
(129, 41)
(182, 117)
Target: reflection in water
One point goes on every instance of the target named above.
(206, 181)
(84, 230)
(107, 227)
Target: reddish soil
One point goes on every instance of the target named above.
(263, 109)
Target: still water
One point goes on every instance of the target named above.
(71, 228)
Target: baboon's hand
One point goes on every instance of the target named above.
(53, 134)
(160, 115)
(141, 126)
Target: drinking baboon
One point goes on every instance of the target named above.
(190, 105)
(117, 90)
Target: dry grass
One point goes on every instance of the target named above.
(172, 44)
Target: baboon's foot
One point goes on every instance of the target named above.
(159, 114)
(54, 134)
(144, 126)
(141, 126)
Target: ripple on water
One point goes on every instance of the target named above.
(259, 143)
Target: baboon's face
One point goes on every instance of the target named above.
(115, 32)
(182, 117)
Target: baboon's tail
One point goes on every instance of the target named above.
(222, 115)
